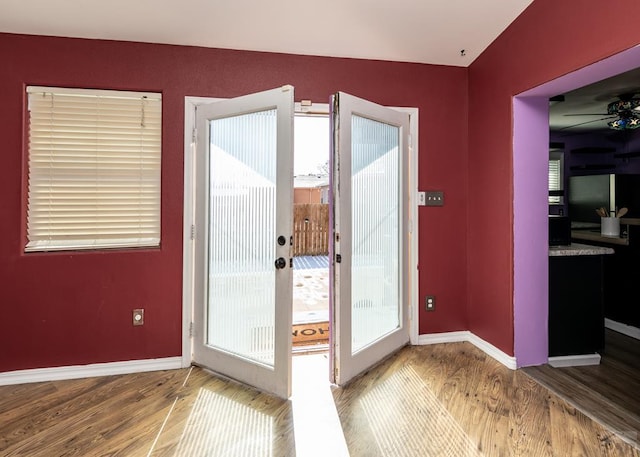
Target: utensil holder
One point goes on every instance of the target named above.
(610, 226)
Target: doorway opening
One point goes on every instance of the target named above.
(530, 152)
(310, 318)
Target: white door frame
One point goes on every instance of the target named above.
(190, 105)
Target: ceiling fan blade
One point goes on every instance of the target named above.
(587, 122)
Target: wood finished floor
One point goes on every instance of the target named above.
(440, 400)
(608, 393)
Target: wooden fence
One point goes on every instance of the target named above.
(310, 229)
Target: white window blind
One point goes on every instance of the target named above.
(94, 169)
(555, 180)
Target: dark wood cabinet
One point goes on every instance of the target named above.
(576, 317)
(621, 277)
(621, 274)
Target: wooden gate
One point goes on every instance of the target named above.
(310, 229)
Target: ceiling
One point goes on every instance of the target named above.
(584, 110)
(423, 31)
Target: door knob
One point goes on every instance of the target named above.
(281, 263)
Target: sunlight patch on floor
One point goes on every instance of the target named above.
(402, 404)
(220, 426)
(317, 426)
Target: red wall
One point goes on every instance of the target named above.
(75, 308)
(551, 38)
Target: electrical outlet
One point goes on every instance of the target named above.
(430, 302)
(138, 316)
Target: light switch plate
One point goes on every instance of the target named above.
(434, 198)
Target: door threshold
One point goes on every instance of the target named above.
(311, 317)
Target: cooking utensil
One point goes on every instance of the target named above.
(622, 212)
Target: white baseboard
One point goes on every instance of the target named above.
(466, 336)
(492, 351)
(448, 337)
(86, 371)
(629, 330)
(574, 360)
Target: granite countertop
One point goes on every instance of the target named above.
(578, 249)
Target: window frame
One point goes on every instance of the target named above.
(112, 203)
(556, 156)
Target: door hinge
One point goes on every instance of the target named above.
(193, 232)
(194, 136)
(191, 330)
(338, 258)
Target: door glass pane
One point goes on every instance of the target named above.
(375, 211)
(242, 240)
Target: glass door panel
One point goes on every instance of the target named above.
(242, 233)
(376, 243)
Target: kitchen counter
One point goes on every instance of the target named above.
(590, 235)
(579, 249)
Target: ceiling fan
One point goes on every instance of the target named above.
(626, 109)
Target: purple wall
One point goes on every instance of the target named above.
(530, 155)
(530, 237)
(622, 142)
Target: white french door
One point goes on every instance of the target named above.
(242, 255)
(370, 315)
